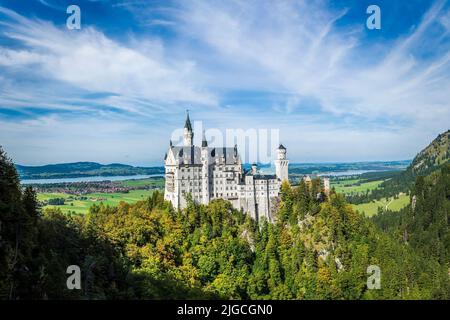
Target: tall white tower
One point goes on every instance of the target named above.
(188, 135)
(205, 170)
(282, 164)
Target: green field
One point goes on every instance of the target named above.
(371, 208)
(354, 185)
(156, 182)
(73, 204)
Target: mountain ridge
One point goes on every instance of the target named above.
(430, 159)
(432, 156)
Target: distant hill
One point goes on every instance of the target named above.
(89, 169)
(311, 168)
(430, 159)
(433, 156)
(83, 169)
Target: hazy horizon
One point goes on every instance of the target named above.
(247, 163)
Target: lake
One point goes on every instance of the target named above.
(347, 173)
(328, 173)
(89, 179)
(137, 177)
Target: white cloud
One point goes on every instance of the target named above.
(87, 59)
(297, 48)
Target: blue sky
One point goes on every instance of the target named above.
(115, 90)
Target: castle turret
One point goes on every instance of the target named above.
(204, 141)
(205, 170)
(326, 185)
(254, 168)
(282, 164)
(188, 135)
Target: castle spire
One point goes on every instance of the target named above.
(204, 142)
(187, 124)
(188, 135)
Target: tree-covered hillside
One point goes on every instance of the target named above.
(434, 155)
(319, 248)
(424, 223)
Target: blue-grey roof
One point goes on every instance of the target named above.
(192, 155)
(188, 124)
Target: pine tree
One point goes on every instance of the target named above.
(12, 219)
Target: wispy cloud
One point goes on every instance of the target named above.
(297, 48)
(48, 3)
(90, 61)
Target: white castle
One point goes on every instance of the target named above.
(208, 173)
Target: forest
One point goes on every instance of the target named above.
(318, 248)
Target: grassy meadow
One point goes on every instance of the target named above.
(356, 185)
(81, 204)
(392, 204)
(155, 182)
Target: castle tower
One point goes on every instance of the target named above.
(326, 185)
(188, 135)
(205, 170)
(282, 164)
(254, 168)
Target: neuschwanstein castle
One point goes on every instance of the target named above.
(209, 173)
